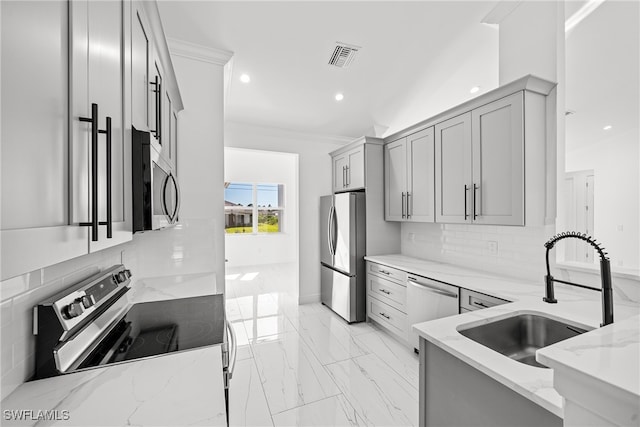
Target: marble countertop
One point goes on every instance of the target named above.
(184, 388)
(580, 307)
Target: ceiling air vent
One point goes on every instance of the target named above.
(343, 55)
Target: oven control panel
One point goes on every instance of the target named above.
(77, 303)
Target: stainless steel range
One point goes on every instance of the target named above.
(93, 324)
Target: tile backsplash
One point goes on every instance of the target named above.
(20, 294)
(510, 251)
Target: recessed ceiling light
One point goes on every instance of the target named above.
(607, 127)
(474, 89)
(339, 97)
(245, 78)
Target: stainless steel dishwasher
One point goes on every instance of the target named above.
(428, 299)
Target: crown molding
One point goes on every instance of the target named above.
(199, 52)
(500, 11)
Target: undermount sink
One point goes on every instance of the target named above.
(518, 337)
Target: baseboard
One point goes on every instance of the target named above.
(308, 299)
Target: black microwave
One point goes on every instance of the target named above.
(156, 194)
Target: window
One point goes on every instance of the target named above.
(253, 208)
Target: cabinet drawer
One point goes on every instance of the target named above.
(387, 291)
(387, 272)
(387, 316)
(471, 300)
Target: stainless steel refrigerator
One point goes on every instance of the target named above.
(342, 250)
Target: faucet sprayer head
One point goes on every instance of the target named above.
(577, 235)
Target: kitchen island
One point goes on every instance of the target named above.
(183, 388)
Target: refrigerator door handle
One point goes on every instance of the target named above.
(330, 231)
(334, 229)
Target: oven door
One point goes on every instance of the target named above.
(165, 197)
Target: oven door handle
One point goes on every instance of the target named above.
(233, 349)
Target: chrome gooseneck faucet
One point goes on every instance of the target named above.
(605, 274)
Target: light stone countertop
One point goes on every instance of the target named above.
(580, 307)
(184, 388)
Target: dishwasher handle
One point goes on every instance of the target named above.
(433, 288)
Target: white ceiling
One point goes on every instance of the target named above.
(417, 59)
(603, 74)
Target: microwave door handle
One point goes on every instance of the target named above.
(109, 222)
(174, 212)
(94, 172)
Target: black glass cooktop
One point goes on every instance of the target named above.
(160, 327)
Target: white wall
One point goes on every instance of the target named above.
(254, 166)
(616, 176)
(314, 165)
(198, 244)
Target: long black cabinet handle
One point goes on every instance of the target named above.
(158, 94)
(94, 172)
(109, 222)
(475, 187)
(465, 201)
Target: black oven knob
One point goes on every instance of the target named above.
(74, 309)
(88, 301)
(123, 275)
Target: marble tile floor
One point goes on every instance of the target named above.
(302, 365)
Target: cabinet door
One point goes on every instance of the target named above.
(35, 221)
(498, 162)
(395, 180)
(355, 168)
(421, 176)
(453, 169)
(140, 55)
(340, 163)
(97, 76)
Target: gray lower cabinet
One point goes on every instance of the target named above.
(453, 393)
(387, 298)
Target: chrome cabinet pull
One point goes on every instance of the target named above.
(409, 206)
(385, 316)
(480, 304)
(348, 175)
(384, 291)
(384, 272)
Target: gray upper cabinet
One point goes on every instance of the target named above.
(497, 134)
(480, 165)
(409, 178)
(395, 180)
(349, 170)
(491, 160)
(453, 169)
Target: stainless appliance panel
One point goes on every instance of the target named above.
(428, 300)
(339, 292)
(346, 227)
(326, 230)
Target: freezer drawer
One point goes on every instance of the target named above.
(343, 294)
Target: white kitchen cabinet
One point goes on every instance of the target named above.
(349, 170)
(97, 73)
(480, 165)
(409, 178)
(141, 48)
(36, 227)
